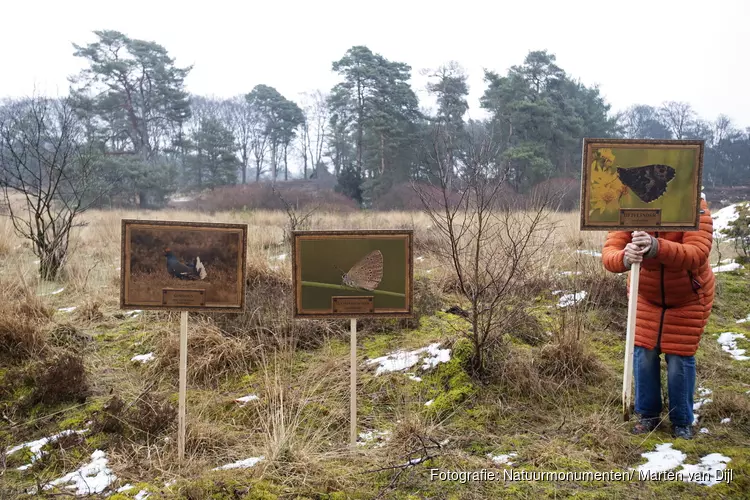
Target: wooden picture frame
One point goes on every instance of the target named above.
(662, 193)
(147, 283)
(333, 251)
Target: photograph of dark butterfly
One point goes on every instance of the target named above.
(648, 182)
(366, 274)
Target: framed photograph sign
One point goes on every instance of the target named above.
(183, 266)
(646, 185)
(352, 274)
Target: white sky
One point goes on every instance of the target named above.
(637, 51)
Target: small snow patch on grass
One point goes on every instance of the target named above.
(592, 253)
(665, 458)
(67, 309)
(398, 361)
(92, 478)
(744, 320)
(703, 430)
(132, 314)
(241, 464)
(726, 420)
(35, 447)
(377, 437)
(571, 299)
(729, 266)
(502, 459)
(728, 341)
(143, 358)
(246, 399)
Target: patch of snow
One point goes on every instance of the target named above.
(592, 253)
(125, 488)
(420, 258)
(702, 392)
(429, 403)
(728, 341)
(414, 377)
(93, 477)
(571, 299)
(132, 314)
(377, 437)
(706, 472)
(182, 199)
(726, 420)
(724, 268)
(35, 447)
(557, 292)
(143, 358)
(502, 459)
(744, 320)
(697, 405)
(428, 271)
(401, 360)
(246, 399)
(703, 430)
(280, 257)
(663, 459)
(722, 218)
(242, 464)
(67, 309)
(142, 495)
(570, 273)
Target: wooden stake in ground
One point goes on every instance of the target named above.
(353, 398)
(627, 379)
(183, 385)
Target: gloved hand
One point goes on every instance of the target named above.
(643, 240)
(633, 254)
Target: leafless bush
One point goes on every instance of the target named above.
(45, 159)
(490, 246)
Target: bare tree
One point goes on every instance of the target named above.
(242, 123)
(678, 117)
(314, 129)
(491, 246)
(45, 162)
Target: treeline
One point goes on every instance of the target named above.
(367, 134)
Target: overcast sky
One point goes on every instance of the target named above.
(637, 51)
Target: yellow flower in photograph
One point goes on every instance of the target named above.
(604, 159)
(606, 190)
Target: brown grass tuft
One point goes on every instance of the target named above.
(568, 362)
(213, 354)
(59, 378)
(728, 405)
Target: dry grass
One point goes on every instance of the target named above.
(214, 356)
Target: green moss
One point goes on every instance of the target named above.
(456, 384)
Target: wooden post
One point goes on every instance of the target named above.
(627, 379)
(353, 398)
(183, 385)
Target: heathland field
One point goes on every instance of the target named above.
(268, 396)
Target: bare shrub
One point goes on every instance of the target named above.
(489, 246)
(151, 415)
(59, 378)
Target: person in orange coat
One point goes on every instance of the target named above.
(675, 296)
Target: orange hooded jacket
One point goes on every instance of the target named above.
(676, 288)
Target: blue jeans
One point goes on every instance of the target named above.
(680, 384)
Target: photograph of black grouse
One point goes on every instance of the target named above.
(195, 270)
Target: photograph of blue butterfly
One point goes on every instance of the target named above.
(352, 274)
(648, 185)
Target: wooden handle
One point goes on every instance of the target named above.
(627, 378)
